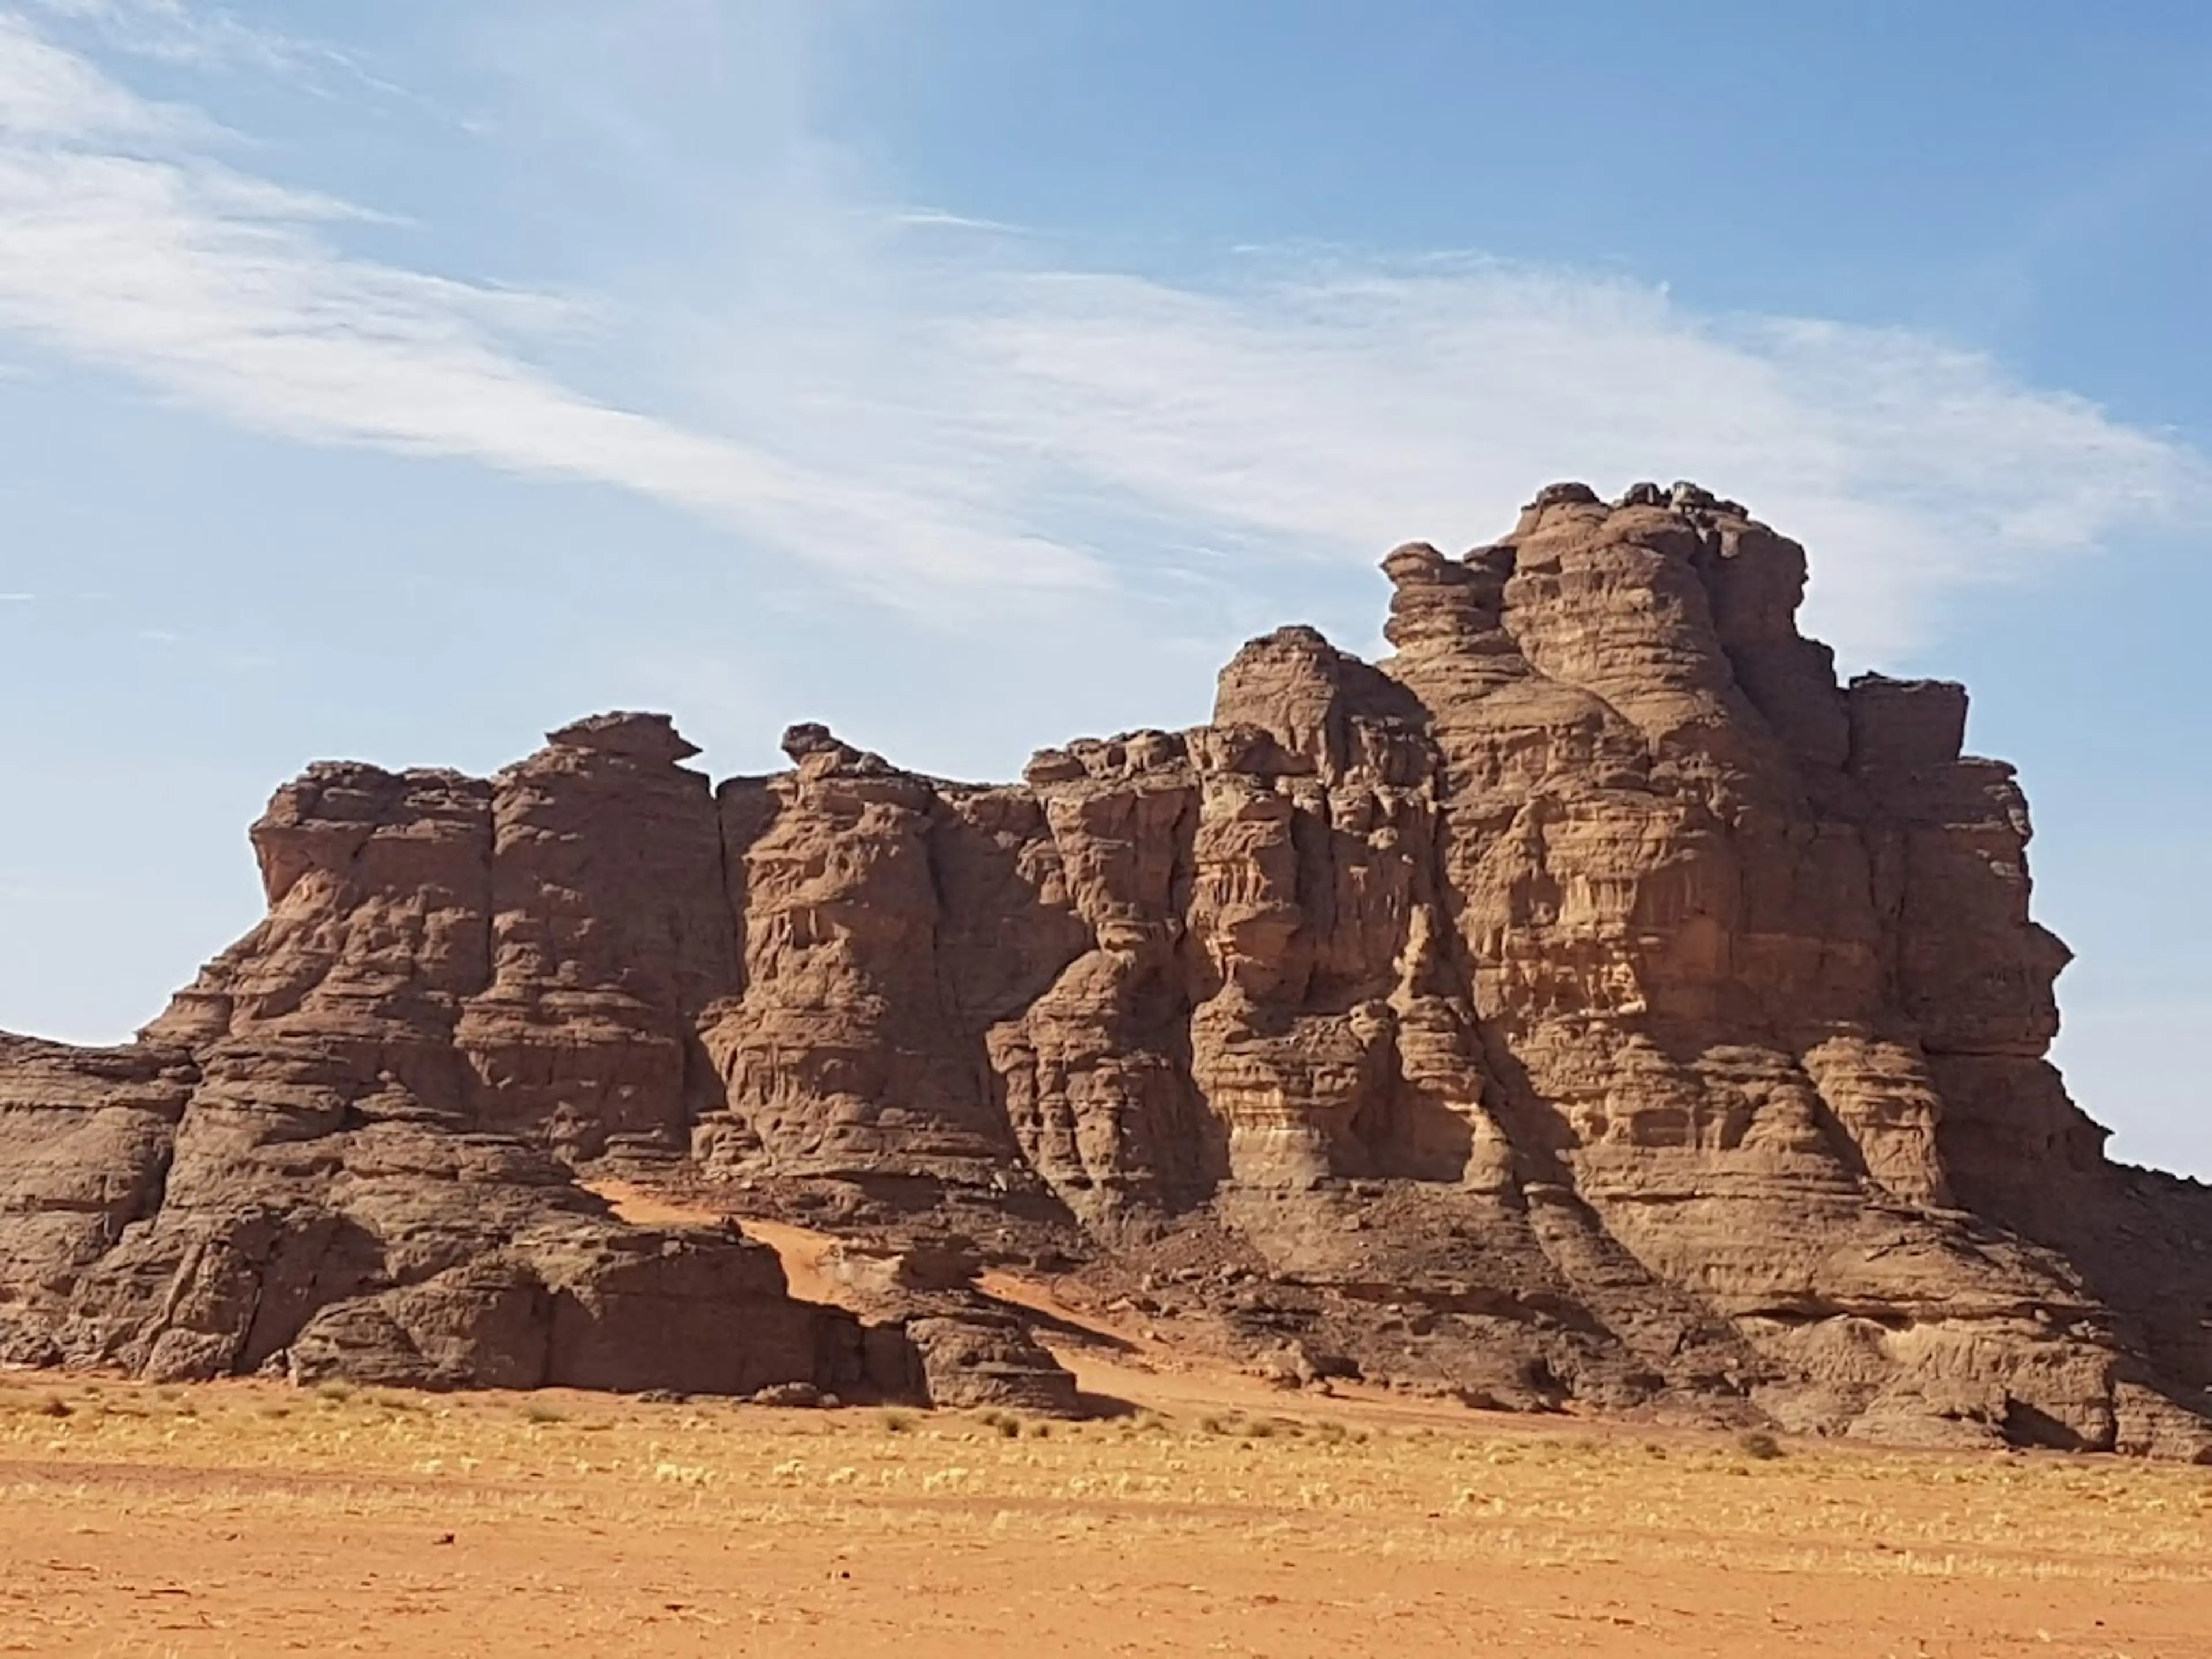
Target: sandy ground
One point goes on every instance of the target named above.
(248, 1518)
(1222, 1518)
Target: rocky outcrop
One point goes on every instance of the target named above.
(347, 1148)
(186, 1222)
(1593, 1001)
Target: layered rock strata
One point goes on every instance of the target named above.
(260, 1210)
(1593, 1001)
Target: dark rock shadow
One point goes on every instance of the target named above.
(1059, 1327)
(1104, 1405)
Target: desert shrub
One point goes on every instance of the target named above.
(538, 1411)
(1759, 1445)
(895, 1421)
(336, 1392)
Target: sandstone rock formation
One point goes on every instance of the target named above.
(1594, 1002)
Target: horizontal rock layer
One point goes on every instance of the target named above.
(1593, 1001)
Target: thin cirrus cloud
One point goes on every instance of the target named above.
(123, 245)
(50, 94)
(1011, 425)
(1317, 407)
(172, 32)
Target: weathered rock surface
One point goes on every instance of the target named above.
(1594, 1002)
(188, 1222)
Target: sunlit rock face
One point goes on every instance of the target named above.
(1656, 1019)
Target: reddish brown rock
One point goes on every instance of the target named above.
(170, 1226)
(1593, 1001)
(312, 1161)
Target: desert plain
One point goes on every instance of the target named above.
(1210, 1514)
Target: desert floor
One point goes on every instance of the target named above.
(250, 1518)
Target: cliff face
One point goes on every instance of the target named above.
(1594, 1001)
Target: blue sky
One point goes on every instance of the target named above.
(399, 380)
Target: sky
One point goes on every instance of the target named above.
(397, 380)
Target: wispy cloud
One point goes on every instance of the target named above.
(924, 403)
(47, 93)
(218, 288)
(1309, 406)
(200, 37)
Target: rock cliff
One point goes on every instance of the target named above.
(1593, 1003)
